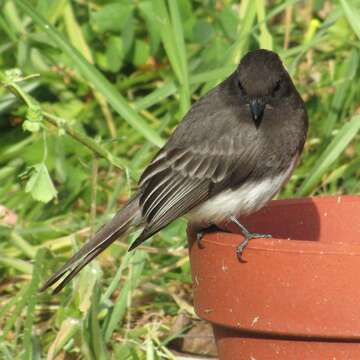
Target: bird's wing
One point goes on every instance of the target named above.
(179, 178)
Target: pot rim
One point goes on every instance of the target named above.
(277, 244)
(297, 288)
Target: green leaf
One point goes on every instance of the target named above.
(147, 12)
(331, 154)
(75, 33)
(110, 17)
(40, 185)
(31, 126)
(95, 77)
(128, 33)
(33, 118)
(141, 53)
(114, 53)
(202, 31)
(353, 16)
(229, 21)
(34, 113)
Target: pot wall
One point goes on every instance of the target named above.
(304, 283)
(234, 345)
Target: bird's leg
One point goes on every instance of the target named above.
(247, 235)
(203, 231)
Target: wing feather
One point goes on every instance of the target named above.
(183, 175)
(160, 195)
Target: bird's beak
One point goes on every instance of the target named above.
(257, 109)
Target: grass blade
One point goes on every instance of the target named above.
(121, 305)
(95, 77)
(180, 46)
(265, 39)
(156, 96)
(353, 16)
(75, 34)
(96, 340)
(347, 73)
(23, 245)
(18, 264)
(68, 330)
(330, 155)
(170, 27)
(247, 16)
(32, 297)
(77, 39)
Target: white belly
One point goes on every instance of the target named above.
(242, 201)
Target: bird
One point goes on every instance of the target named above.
(230, 155)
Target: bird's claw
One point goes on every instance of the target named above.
(202, 232)
(199, 237)
(248, 236)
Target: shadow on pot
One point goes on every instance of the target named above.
(285, 219)
(288, 295)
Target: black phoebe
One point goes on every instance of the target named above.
(229, 156)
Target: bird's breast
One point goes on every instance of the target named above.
(251, 196)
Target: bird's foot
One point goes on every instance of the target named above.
(248, 236)
(202, 232)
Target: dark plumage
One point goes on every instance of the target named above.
(230, 155)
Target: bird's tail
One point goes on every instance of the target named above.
(119, 225)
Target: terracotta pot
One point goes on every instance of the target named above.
(295, 296)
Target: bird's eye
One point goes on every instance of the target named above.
(276, 88)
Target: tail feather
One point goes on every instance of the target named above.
(120, 224)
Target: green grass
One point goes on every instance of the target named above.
(99, 86)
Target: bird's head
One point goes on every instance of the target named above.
(262, 82)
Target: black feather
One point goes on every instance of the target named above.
(106, 235)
